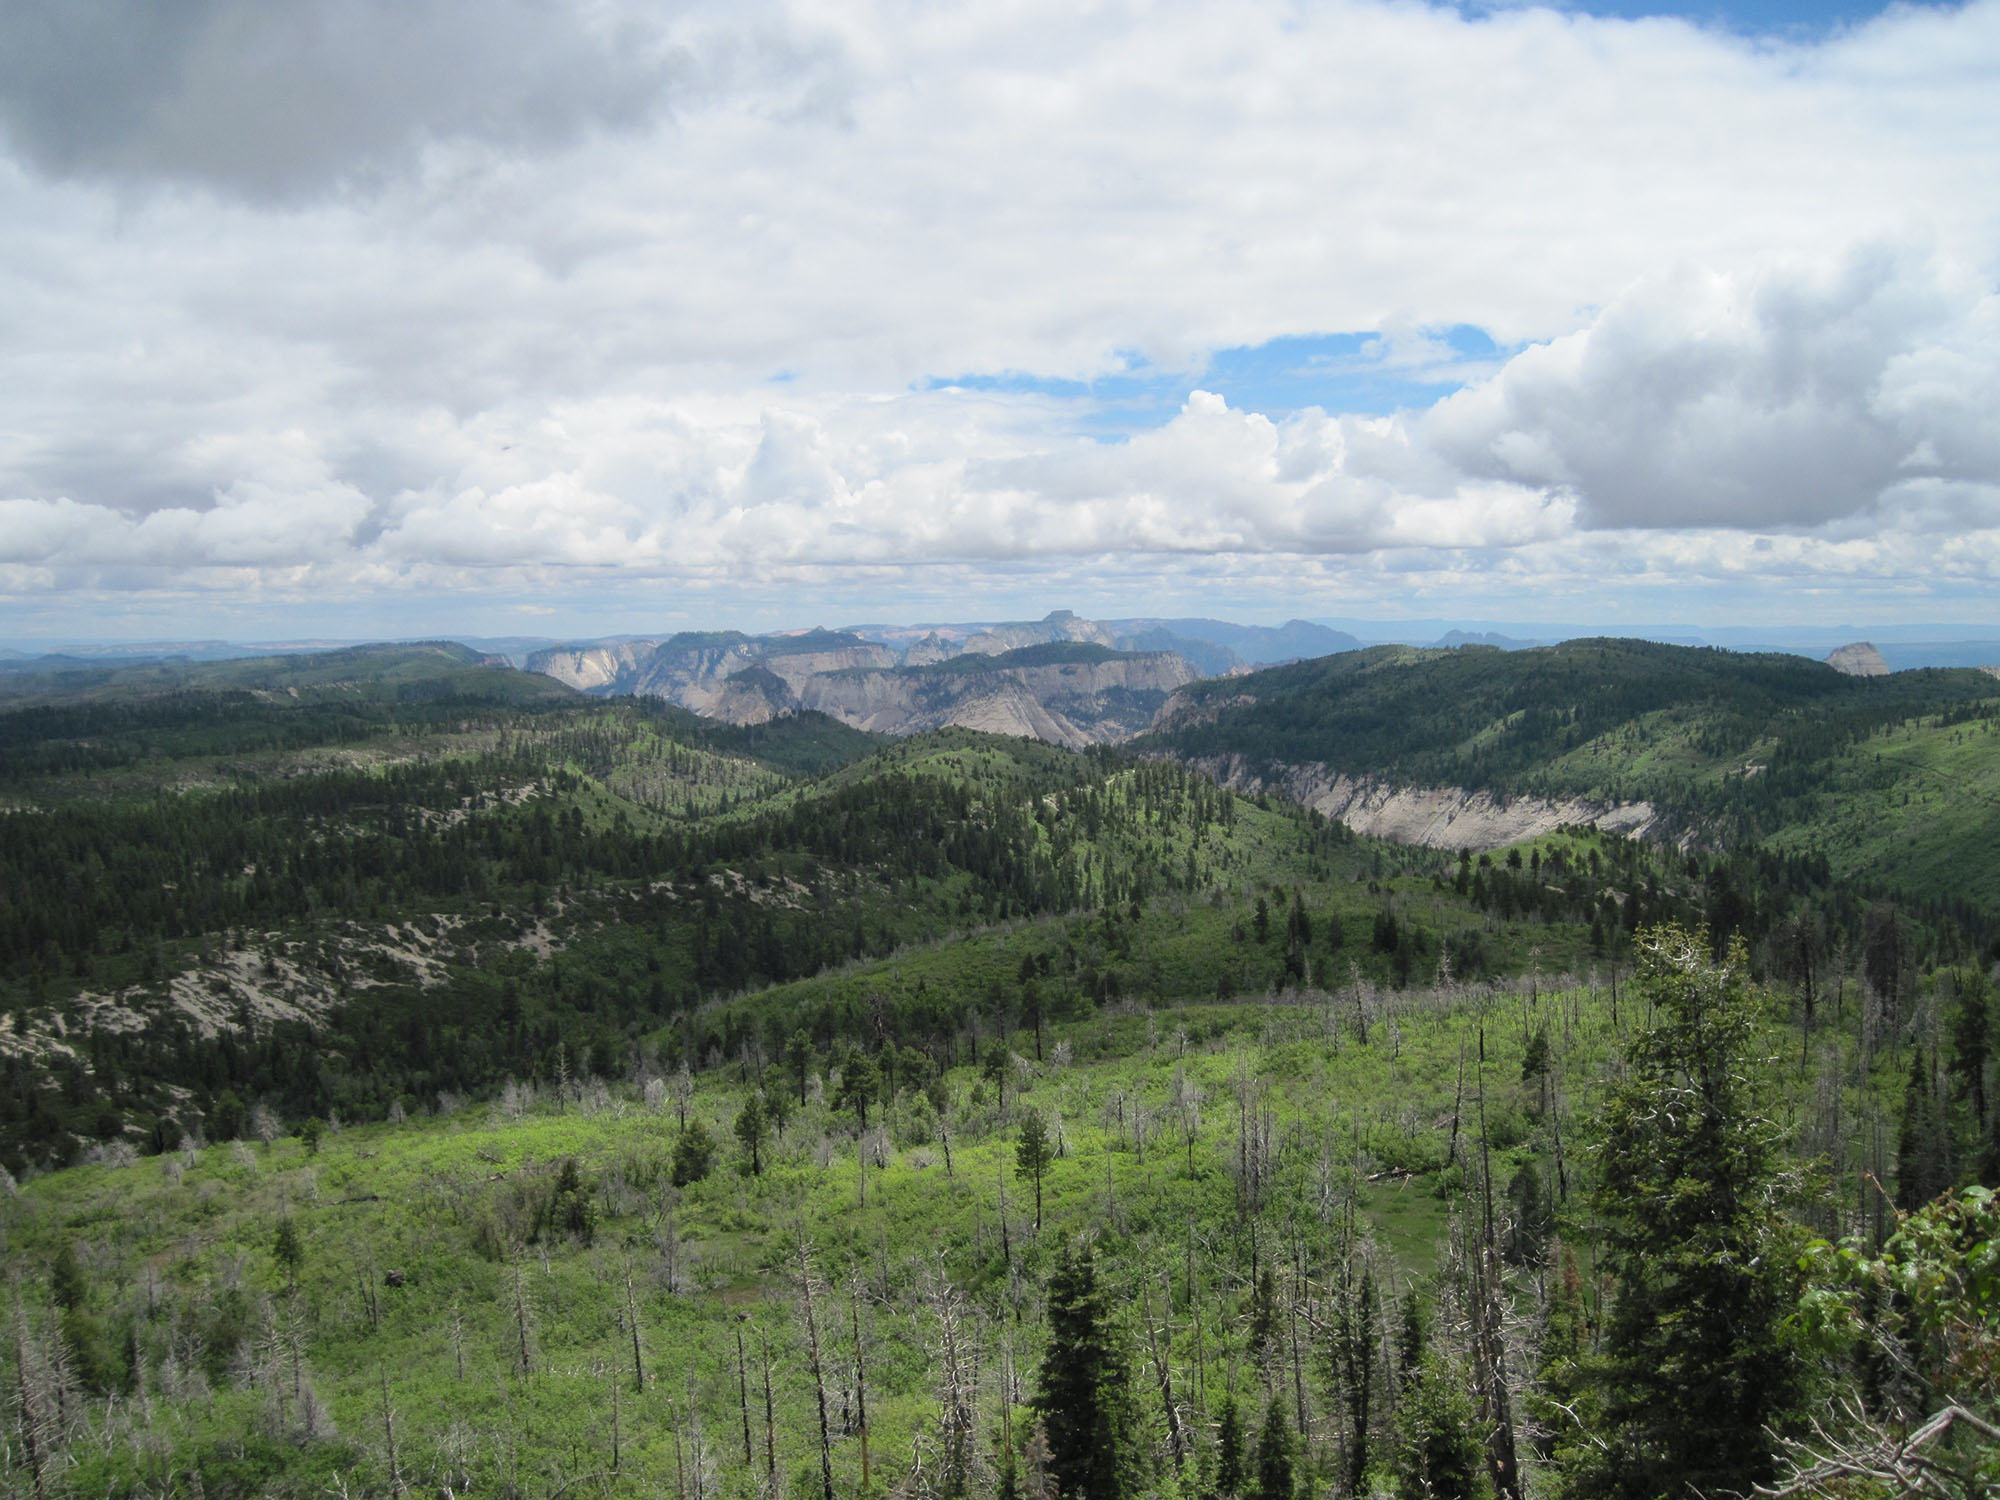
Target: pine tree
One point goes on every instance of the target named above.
(1971, 1038)
(1553, 1402)
(1229, 1469)
(752, 1129)
(1698, 1365)
(68, 1287)
(1923, 1147)
(1438, 1454)
(1263, 1313)
(694, 1155)
(287, 1250)
(1032, 1155)
(1084, 1395)
(1354, 1350)
(1274, 1454)
(799, 1056)
(1411, 1339)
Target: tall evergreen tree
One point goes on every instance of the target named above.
(1971, 1038)
(1032, 1154)
(1438, 1454)
(1698, 1366)
(1923, 1146)
(1412, 1337)
(1355, 1326)
(1274, 1454)
(752, 1129)
(1084, 1395)
(1229, 1468)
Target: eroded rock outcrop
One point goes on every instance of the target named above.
(597, 667)
(1086, 696)
(1433, 817)
(1859, 659)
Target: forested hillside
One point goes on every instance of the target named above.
(1893, 781)
(422, 1077)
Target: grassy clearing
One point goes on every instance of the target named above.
(1198, 1143)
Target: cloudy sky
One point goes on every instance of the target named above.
(390, 317)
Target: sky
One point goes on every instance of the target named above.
(370, 318)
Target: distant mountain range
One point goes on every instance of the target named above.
(1062, 678)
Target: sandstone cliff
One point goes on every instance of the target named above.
(1434, 817)
(1082, 696)
(595, 667)
(1860, 659)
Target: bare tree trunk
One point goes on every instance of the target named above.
(396, 1485)
(632, 1318)
(860, 1372)
(1177, 1441)
(524, 1356)
(808, 1277)
(32, 1402)
(743, 1391)
(617, 1453)
(770, 1422)
(1489, 1355)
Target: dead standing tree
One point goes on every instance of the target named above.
(957, 1466)
(810, 1289)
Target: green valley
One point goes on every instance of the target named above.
(423, 1077)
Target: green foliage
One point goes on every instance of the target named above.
(1884, 779)
(1438, 1452)
(287, 1249)
(694, 1154)
(1274, 1455)
(752, 1129)
(68, 1288)
(1926, 1309)
(1033, 1154)
(1230, 1467)
(1697, 1371)
(1084, 1394)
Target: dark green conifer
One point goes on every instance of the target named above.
(1274, 1454)
(1699, 1369)
(1411, 1338)
(1438, 1453)
(1084, 1395)
(1923, 1147)
(1229, 1469)
(1032, 1155)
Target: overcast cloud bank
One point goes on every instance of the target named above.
(656, 296)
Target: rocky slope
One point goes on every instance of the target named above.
(592, 667)
(1069, 694)
(1064, 686)
(1859, 659)
(1447, 817)
(1058, 625)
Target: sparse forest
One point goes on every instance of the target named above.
(501, 1092)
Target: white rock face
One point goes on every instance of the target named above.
(1447, 817)
(594, 668)
(1860, 659)
(1061, 625)
(929, 650)
(752, 679)
(1064, 703)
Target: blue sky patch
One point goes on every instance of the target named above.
(1367, 373)
(1804, 19)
